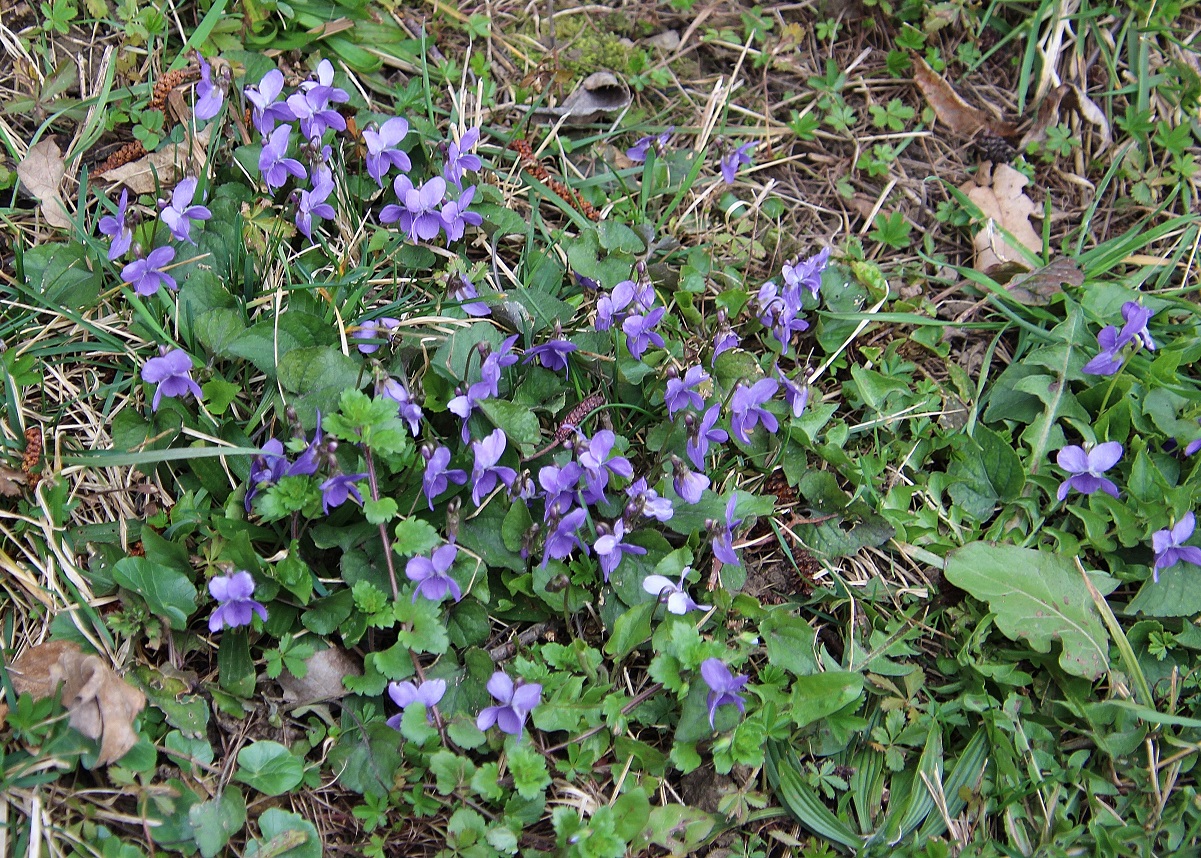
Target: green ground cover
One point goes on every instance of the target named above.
(793, 451)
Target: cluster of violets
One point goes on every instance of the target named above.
(148, 270)
(421, 211)
(732, 159)
(1086, 468)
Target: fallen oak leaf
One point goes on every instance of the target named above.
(1007, 234)
(963, 119)
(41, 173)
(100, 704)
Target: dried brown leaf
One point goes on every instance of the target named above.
(1042, 284)
(41, 173)
(959, 116)
(1065, 97)
(600, 94)
(161, 169)
(323, 680)
(11, 481)
(1005, 206)
(99, 703)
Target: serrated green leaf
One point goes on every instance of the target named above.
(1037, 597)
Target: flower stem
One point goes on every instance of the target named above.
(383, 528)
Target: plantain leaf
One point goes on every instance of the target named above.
(1038, 597)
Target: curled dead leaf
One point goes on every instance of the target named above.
(1065, 97)
(100, 704)
(161, 169)
(601, 93)
(11, 481)
(1039, 286)
(41, 173)
(959, 116)
(1006, 209)
(323, 679)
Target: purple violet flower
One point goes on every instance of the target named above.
(460, 160)
(178, 216)
(1113, 342)
(375, 329)
(338, 489)
(274, 164)
(235, 607)
(640, 332)
(146, 276)
(456, 218)
(267, 109)
(408, 410)
(172, 372)
(516, 702)
(565, 537)
(553, 354)
(723, 535)
(597, 458)
(382, 154)
(701, 434)
(724, 337)
(796, 395)
(609, 547)
(1194, 445)
(416, 211)
(673, 593)
(1170, 548)
(807, 273)
(735, 159)
(1086, 468)
(638, 152)
(266, 469)
(723, 687)
(117, 228)
(486, 472)
(209, 96)
(437, 477)
(646, 501)
(432, 574)
(465, 293)
(404, 694)
(312, 204)
(311, 105)
(746, 407)
(560, 485)
(689, 484)
(679, 392)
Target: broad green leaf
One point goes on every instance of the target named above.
(235, 668)
(269, 767)
(415, 536)
(217, 820)
(517, 421)
(318, 368)
(167, 591)
(1038, 597)
(632, 629)
(1176, 594)
(287, 835)
(822, 694)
